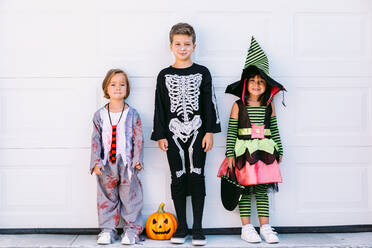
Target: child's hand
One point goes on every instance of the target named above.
(280, 159)
(97, 170)
(207, 142)
(138, 166)
(230, 162)
(163, 144)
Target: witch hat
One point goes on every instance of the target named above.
(256, 61)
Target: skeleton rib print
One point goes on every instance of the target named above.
(184, 93)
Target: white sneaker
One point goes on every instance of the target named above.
(128, 239)
(179, 237)
(268, 234)
(104, 238)
(249, 234)
(178, 240)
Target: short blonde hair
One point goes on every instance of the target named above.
(182, 28)
(107, 80)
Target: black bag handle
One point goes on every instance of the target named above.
(232, 174)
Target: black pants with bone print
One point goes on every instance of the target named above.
(186, 161)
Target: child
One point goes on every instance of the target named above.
(184, 122)
(116, 158)
(253, 143)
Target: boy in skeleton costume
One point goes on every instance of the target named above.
(185, 119)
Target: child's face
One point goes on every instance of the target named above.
(117, 88)
(256, 85)
(182, 47)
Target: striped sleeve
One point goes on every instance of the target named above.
(275, 133)
(232, 134)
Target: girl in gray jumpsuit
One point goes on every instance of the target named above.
(116, 158)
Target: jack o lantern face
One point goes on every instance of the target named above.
(161, 226)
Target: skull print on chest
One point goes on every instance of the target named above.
(184, 94)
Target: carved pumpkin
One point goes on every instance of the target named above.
(161, 225)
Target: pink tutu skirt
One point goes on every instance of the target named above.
(258, 173)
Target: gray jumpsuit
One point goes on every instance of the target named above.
(119, 190)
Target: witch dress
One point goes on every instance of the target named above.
(256, 153)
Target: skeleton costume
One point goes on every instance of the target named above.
(185, 109)
(119, 190)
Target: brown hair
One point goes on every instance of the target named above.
(182, 28)
(107, 80)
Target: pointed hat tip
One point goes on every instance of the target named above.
(253, 40)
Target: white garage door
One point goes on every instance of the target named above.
(54, 54)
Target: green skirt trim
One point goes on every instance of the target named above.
(267, 145)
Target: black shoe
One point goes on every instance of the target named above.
(179, 237)
(198, 238)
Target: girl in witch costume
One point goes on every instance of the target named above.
(253, 147)
(116, 158)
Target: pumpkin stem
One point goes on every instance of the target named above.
(161, 208)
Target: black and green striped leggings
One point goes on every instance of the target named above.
(262, 200)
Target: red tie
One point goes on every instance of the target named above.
(113, 140)
(113, 145)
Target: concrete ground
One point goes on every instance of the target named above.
(286, 240)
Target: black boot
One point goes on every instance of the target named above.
(198, 237)
(180, 235)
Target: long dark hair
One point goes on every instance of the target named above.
(251, 73)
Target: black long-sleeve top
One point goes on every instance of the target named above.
(183, 94)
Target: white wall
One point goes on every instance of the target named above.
(54, 55)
